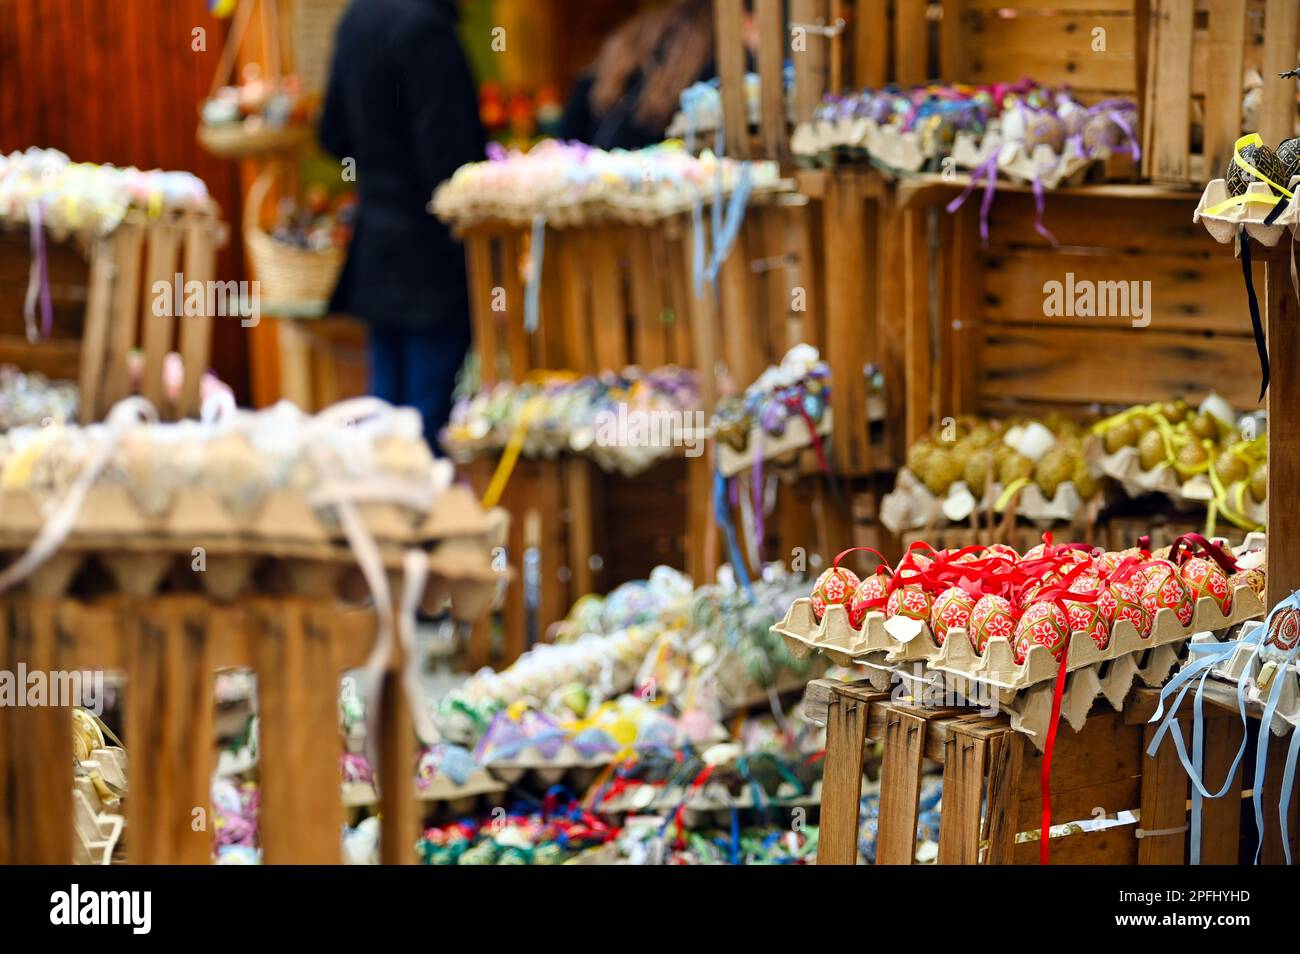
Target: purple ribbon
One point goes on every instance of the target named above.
(989, 170)
(1038, 213)
(757, 479)
(39, 279)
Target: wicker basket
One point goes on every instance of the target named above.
(238, 141)
(294, 282)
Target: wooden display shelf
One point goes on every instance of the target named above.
(991, 788)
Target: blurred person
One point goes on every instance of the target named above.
(629, 95)
(401, 103)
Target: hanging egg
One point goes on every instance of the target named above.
(1164, 589)
(1206, 578)
(991, 617)
(1119, 601)
(1284, 630)
(1042, 624)
(909, 601)
(952, 610)
(1264, 160)
(835, 586)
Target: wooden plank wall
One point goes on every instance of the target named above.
(1199, 334)
(118, 82)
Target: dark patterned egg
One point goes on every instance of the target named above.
(1261, 158)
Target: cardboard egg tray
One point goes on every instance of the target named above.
(872, 645)
(702, 804)
(140, 549)
(440, 789)
(1223, 226)
(1259, 672)
(1049, 167)
(911, 506)
(796, 436)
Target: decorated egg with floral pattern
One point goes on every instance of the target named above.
(991, 616)
(910, 601)
(1164, 589)
(1001, 550)
(951, 610)
(1042, 624)
(1284, 630)
(870, 594)
(1119, 601)
(1206, 578)
(836, 585)
(1085, 615)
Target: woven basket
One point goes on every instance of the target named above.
(294, 282)
(237, 141)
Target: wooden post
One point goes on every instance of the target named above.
(1282, 312)
(730, 53)
(1164, 804)
(846, 727)
(900, 786)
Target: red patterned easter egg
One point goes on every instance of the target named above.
(1042, 624)
(836, 585)
(1206, 578)
(1119, 601)
(1001, 550)
(910, 601)
(1284, 630)
(1164, 589)
(991, 617)
(952, 609)
(869, 595)
(1085, 615)
(1110, 561)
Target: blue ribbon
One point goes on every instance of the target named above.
(722, 514)
(1266, 731)
(533, 287)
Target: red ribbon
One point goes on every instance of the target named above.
(1178, 556)
(1045, 787)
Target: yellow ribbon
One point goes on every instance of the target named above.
(1011, 490)
(510, 456)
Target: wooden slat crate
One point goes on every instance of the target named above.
(169, 648)
(991, 783)
(991, 349)
(1198, 54)
(104, 298)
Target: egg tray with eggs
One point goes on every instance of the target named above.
(1257, 193)
(911, 505)
(889, 642)
(1190, 455)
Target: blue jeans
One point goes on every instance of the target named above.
(417, 369)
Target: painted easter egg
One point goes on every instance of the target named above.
(1164, 589)
(952, 610)
(1042, 624)
(1254, 578)
(1206, 578)
(1119, 602)
(910, 601)
(836, 585)
(869, 595)
(991, 617)
(1284, 630)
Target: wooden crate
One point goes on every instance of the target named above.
(104, 306)
(169, 648)
(989, 348)
(991, 783)
(1198, 53)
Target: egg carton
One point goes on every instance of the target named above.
(873, 645)
(703, 803)
(1259, 671)
(911, 505)
(1225, 225)
(358, 794)
(1042, 163)
(796, 436)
